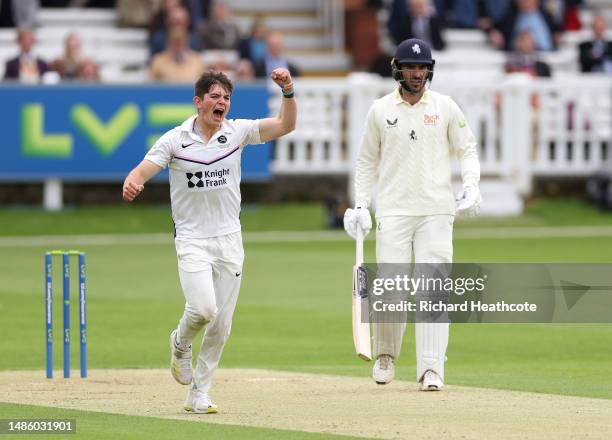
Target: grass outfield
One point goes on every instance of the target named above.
(294, 309)
(126, 218)
(104, 426)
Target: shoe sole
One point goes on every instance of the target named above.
(430, 388)
(381, 383)
(176, 373)
(174, 368)
(210, 410)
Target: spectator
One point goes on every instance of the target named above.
(67, 66)
(137, 13)
(244, 71)
(381, 65)
(160, 18)
(176, 17)
(596, 55)
(275, 58)
(88, 71)
(26, 67)
(219, 31)
(19, 13)
(525, 58)
(526, 15)
(479, 14)
(420, 21)
(564, 13)
(199, 10)
(253, 47)
(177, 63)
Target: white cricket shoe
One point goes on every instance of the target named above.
(431, 381)
(200, 403)
(180, 362)
(384, 369)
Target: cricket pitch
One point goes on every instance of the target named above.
(323, 404)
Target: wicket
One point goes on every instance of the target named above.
(66, 309)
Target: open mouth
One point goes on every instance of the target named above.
(218, 112)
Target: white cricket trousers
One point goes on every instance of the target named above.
(210, 270)
(429, 239)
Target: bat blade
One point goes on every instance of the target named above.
(361, 330)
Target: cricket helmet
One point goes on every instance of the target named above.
(412, 51)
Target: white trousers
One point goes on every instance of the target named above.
(428, 239)
(210, 271)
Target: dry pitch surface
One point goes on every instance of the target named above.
(324, 404)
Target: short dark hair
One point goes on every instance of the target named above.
(209, 79)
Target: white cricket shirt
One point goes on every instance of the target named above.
(205, 176)
(406, 149)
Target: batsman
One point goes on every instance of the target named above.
(410, 136)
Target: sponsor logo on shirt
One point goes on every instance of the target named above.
(431, 119)
(462, 123)
(222, 139)
(391, 124)
(208, 179)
(187, 145)
(413, 136)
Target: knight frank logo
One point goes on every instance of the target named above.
(208, 179)
(195, 180)
(413, 136)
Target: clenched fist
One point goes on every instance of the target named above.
(131, 190)
(281, 76)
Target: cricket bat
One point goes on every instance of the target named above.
(361, 330)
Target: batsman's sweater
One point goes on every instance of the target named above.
(406, 150)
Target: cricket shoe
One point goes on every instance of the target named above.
(199, 402)
(180, 362)
(384, 369)
(431, 381)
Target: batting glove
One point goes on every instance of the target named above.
(468, 203)
(357, 218)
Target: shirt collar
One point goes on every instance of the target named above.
(188, 127)
(398, 98)
(188, 124)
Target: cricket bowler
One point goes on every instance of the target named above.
(203, 155)
(409, 138)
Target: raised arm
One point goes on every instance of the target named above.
(272, 128)
(135, 180)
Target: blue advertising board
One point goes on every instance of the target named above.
(99, 133)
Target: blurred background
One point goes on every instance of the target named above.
(89, 85)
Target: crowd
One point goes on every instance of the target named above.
(209, 32)
(521, 28)
(187, 37)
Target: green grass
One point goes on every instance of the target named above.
(104, 426)
(293, 313)
(135, 218)
(138, 218)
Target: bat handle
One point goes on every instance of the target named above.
(359, 246)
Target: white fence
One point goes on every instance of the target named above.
(526, 128)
